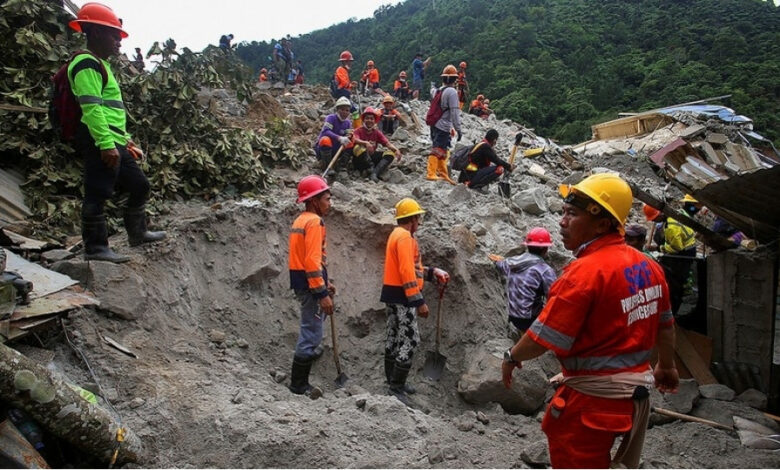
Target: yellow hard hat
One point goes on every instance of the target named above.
(407, 207)
(608, 191)
(688, 198)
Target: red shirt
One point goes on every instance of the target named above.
(374, 135)
(603, 313)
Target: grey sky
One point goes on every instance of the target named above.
(197, 23)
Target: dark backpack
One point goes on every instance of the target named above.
(462, 156)
(435, 112)
(64, 109)
(333, 86)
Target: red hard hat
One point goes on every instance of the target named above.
(370, 63)
(311, 186)
(368, 110)
(96, 13)
(346, 55)
(651, 213)
(538, 236)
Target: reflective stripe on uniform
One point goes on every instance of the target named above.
(87, 99)
(666, 317)
(554, 337)
(298, 231)
(597, 363)
(314, 274)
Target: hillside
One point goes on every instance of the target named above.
(561, 65)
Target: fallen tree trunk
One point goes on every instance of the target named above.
(58, 408)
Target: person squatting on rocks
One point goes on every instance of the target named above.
(224, 42)
(604, 316)
(365, 142)
(389, 117)
(528, 279)
(401, 86)
(341, 84)
(309, 279)
(404, 276)
(678, 251)
(441, 132)
(477, 107)
(484, 165)
(101, 138)
(336, 131)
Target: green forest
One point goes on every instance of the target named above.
(559, 66)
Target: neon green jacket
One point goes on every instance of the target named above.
(102, 109)
(677, 237)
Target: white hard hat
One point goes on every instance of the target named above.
(343, 101)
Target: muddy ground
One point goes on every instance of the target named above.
(216, 336)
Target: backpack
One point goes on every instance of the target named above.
(64, 109)
(462, 156)
(435, 112)
(333, 86)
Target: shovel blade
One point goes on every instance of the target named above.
(341, 380)
(434, 365)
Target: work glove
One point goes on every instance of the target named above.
(441, 275)
(460, 135)
(343, 140)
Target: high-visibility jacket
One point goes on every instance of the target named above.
(102, 108)
(373, 75)
(308, 259)
(404, 272)
(677, 237)
(400, 84)
(342, 77)
(603, 314)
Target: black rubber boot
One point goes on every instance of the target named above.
(326, 155)
(135, 224)
(94, 232)
(398, 381)
(380, 168)
(389, 367)
(299, 378)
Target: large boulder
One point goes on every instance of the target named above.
(481, 383)
(531, 201)
(724, 411)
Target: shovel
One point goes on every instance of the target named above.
(342, 378)
(435, 361)
(333, 161)
(503, 186)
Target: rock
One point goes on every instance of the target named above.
(120, 290)
(435, 455)
(717, 138)
(52, 256)
(573, 178)
(482, 418)
(478, 229)
(724, 411)
(531, 201)
(260, 274)
(460, 194)
(555, 204)
(136, 402)
(753, 398)
(466, 421)
(716, 391)
(311, 113)
(481, 383)
(400, 134)
(242, 343)
(463, 238)
(341, 192)
(279, 376)
(536, 454)
(217, 336)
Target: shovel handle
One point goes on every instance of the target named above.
(512, 155)
(442, 288)
(335, 344)
(333, 161)
(692, 419)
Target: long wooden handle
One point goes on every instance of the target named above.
(335, 344)
(332, 161)
(692, 419)
(438, 319)
(512, 155)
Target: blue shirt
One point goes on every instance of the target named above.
(418, 71)
(528, 280)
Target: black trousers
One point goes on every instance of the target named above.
(100, 181)
(482, 177)
(677, 268)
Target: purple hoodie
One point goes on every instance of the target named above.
(528, 280)
(333, 128)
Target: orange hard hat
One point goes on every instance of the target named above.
(402, 74)
(388, 99)
(346, 55)
(370, 63)
(480, 97)
(462, 65)
(651, 213)
(449, 71)
(538, 236)
(96, 13)
(311, 186)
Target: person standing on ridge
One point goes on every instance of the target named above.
(101, 138)
(309, 279)
(462, 85)
(418, 74)
(404, 276)
(604, 317)
(441, 131)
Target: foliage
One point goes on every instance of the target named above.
(562, 65)
(190, 153)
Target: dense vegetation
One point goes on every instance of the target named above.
(561, 65)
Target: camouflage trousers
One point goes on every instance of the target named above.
(403, 335)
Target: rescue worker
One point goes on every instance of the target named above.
(263, 75)
(636, 236)
(389, 117)
(678, 251)
(224, 42)
(370, 78)
(441, 132)
(462, 85)
(336, 131)
(299, 77)
(528, 279)
(418, 73)
(365, 152)
(604, 316)
(401, 87)
(477, 107)
(341, 82)
(138, 60)
(309, 279)
(486, 109)
(484, 165)
(404, 276)
(102, 139)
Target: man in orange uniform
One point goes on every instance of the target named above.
(263, 75)
(462, 85)
(603, 317)
(309, 279)
(341, 82)
(370, 78)
(402, 295)
(401, 87)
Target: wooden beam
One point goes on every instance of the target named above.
(693, 362)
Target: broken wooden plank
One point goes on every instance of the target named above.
(61, 301)
(693, 362)
(714, 157)
(119, 347)
(45, 281)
